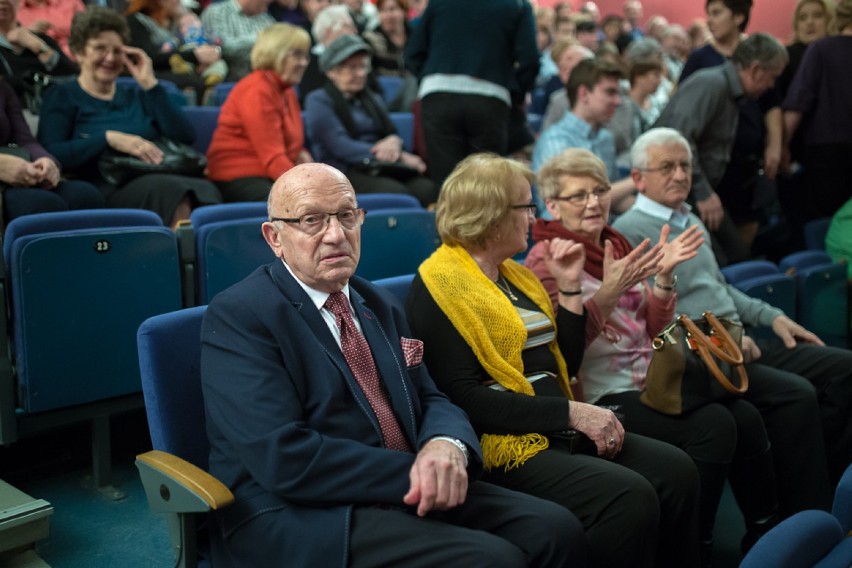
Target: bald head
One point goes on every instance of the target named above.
(314, 225)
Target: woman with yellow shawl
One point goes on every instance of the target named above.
(495, 346)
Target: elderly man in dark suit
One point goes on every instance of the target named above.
(322, 420)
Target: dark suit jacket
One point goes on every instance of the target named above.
(290, 430)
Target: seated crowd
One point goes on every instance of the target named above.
(658, 162)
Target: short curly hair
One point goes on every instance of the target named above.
(92, 22)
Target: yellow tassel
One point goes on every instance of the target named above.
(510, 451)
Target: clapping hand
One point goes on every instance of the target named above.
(565, 260)
(639, 264)
(681, 248)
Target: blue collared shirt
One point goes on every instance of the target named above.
(574, 132)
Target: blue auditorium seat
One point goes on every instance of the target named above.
(815, 232)
(807, 539)
(79, 283)
(204, 120)
(376, 201)
(229, 245)
(398, 285)
(404, 123)
(173, 90)
(390, 85)
(174, 474)
(822, 304)
(396, 241)
(221, 92)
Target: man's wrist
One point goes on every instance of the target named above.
(457, 443)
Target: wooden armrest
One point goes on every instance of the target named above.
(161, 471)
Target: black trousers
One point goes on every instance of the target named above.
(640, 509)
(420, 187)
(495, 527)
(457, 125)
(829, 371)
(245, 189)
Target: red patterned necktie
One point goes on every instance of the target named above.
(358, 356)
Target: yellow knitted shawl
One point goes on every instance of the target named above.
(489, 324)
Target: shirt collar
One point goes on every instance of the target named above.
(317, 297)
(577, 124)
(677, 217)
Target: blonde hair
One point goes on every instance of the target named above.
(826, 7)
(571, 162)
(274, 43)
(477, 198)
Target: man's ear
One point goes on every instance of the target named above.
(273, 238)
(638, 179)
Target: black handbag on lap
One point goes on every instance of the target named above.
(119, 168)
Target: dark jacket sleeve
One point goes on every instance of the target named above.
(19, 130)
(457, 372)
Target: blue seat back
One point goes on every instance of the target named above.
(396, 241)
(229, 245)
(171, 88)
(800, 541)
(79, 290)
(823, 302)
(376, 201)
(221, 92)
(169, 347)
(740, 271)
(390, 85)
(815, 232)
(204, 120)
(404, 123)
(842, 507)
(398, 285)
(803, 259)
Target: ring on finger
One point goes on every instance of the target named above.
(611, 442)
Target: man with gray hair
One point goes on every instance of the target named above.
(705, 109)
(236, 23)
(795, 358)
(329, 24)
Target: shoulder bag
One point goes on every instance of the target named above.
(119, 168)
(695, 363)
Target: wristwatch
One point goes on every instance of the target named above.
(457, 443)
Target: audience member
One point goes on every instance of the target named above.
(30, 182)
(656, 27)
(169, 35)
(591, 10)
(564, 28)
(676, 48)
(594, 94)
(329, 24)
(364, 14)
(563, 10)
(838, 239)
(51, 17)
(350, 455)
(500, 352)
(236, 23)
(633, 18)
(289, 12)
(726, 439)
(557, 103)
(819, 101)
(24, 53)
(787, 361)
(388, 42)
(611, 27)
(699, 33)
(82, 119)
(350, 128)
(260, 133)
(638, 109)
(471, 58)
(707, 110)
(586, 32)
(812, 20)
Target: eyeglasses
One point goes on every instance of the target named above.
(315, 223)
(669, 168)
(298, 54)
(531, 208)
(581, 198)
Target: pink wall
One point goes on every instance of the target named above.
(770, 16)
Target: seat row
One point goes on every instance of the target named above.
(808, 286)
(78, 284)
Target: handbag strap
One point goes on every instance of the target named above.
(728, 351)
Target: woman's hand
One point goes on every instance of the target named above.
(638, 265)
(140, 67)
(48, 172)
(599, 424)
(134, 145)
(40, 26)
(388, 149)
(304, 157)
(413, 161)
(565, 260)
(17, 172)
(680, 249)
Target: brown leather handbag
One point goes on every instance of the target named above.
(695, 363)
